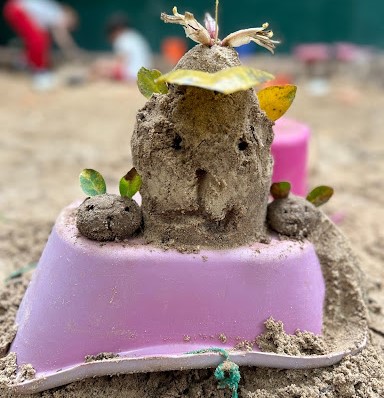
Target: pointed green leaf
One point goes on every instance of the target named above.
(276, 100)
(130, 183)
(92, 182)
(226, 81)
(146, 81)
(320, 195)
(280, 190)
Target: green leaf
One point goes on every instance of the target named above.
(276, 100)
(226, 81)
(92, 182)
(320, 195)
(146, 81)
(280, 190)
(130, 183)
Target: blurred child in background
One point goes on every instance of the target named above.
(35, 22)
(131, 51)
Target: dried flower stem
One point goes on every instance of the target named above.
(217, 22)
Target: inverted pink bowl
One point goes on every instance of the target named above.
(138, 300)
(290, 153)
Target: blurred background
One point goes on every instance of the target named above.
(322, 36)
(294, 21)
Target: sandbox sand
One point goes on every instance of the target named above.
(48, 139)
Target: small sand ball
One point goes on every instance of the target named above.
(108, 217)
(292, 216)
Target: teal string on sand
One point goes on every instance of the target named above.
(21, 271)
(227, 373)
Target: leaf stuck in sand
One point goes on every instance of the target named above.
(320, 195)
(130, 183)
(146, 82)
(92, 182)
(227, 81)
(276, 100)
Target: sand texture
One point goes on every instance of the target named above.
(206, 181)
(345, 312)
(108, 217)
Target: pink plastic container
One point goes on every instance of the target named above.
(290, 153)
(350, 52)
(139, 301)
(313, 52)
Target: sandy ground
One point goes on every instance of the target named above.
(47, 139)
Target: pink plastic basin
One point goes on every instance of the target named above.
(290, 153)
(140, 301)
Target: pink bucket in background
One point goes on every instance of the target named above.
(313, 52)
(290, 154)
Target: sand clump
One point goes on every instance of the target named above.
(26, 372)
(206, 181)
(100, 357)
(292, 216)
(274, 339)
(359, 376)
(345, 313)
(8, 370)
(108, 217)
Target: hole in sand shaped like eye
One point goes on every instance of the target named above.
(176, 145)
(200, 174)
(243, 145)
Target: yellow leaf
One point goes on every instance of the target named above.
(227, 81)
(276, 100)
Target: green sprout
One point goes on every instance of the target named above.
(280, 190)
(92, 183)
(318, 196)
(130, 183)
(147, 82)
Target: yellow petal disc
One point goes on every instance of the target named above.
(276, 100)
(227, 81)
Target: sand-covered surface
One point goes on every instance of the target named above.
(47, 139)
